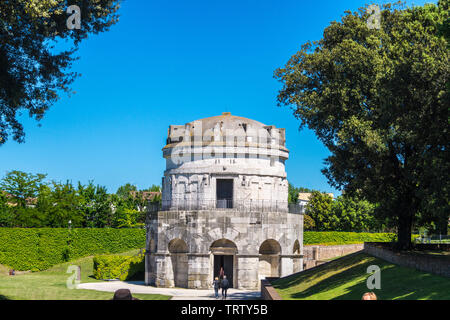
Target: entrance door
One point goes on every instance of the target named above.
(225, 262)
(224, 193)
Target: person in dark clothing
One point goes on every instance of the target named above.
(224, 284)
(216, 284)
(123, 294)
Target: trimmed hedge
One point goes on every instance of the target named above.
(336, 238)
(118, 267)
(40, 248)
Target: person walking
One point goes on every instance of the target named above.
(224, 285)
(221, 273)
(216, 284)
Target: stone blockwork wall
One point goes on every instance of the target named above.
(312, 252)
(245, 234)
(200, 187)
(439, 265)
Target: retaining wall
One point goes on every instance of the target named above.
(439, 265)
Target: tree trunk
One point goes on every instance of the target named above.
(404, 229)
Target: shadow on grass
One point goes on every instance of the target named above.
(2, 297)
(311, 275)
(347, 276)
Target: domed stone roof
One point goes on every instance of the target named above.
(214, 130)
(229, 121)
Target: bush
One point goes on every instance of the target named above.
(41, 248)
(118, 267)
(336, 238)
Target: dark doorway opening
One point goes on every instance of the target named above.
(225, 262)
(224, 193)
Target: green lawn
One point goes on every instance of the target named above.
(345, 279)
(51, 284)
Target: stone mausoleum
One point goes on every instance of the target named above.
(224, 205)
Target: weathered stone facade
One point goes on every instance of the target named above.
(224, 206)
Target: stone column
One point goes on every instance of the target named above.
(287, 266)
(199, 271)
(164, 275)
(247, 271)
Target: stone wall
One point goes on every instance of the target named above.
(312, 252)
(279, 233)
(268, 292)
(439, 265)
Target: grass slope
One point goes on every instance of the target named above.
(51, 284)
(345, 279)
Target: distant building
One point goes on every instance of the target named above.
(29, 202)
(303, 197)
(146, 195)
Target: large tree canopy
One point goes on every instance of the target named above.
(32, 73)
(377, 99)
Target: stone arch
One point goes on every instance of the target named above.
(223, 244)
(269, 259)
(296, 248)
(178, 250)
(223, 256)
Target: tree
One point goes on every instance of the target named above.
(102, 208)
(354, 215)
(22, 186)
(32, 73)
(293, 193)
(65, 206)
(153, 188)
(378, 100)
(319, 208)
(130, 219)
(6, 215)
(96, 204)
(125, 190)
(308, 223)
(87, 202)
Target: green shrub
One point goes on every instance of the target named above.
(41, 248)
(117, 267)
(336, 238)
(308, 222)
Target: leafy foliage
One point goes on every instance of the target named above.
(118, 267)
(308, 223)
(32, 73)
(40, 248)
(294, 191)
(378, 99)
(319, 208)
(21, 186)
(344, 214)
(28, 201)
(338, 238)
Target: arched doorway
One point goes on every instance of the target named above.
(178, 255)
(224, 256)
(269, 259)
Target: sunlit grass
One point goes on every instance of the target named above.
(345, 279)
(51, 284)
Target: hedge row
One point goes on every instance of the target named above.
(337, 238)
(40, 248)
(118, 267)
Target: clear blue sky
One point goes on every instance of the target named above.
(171, 62)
